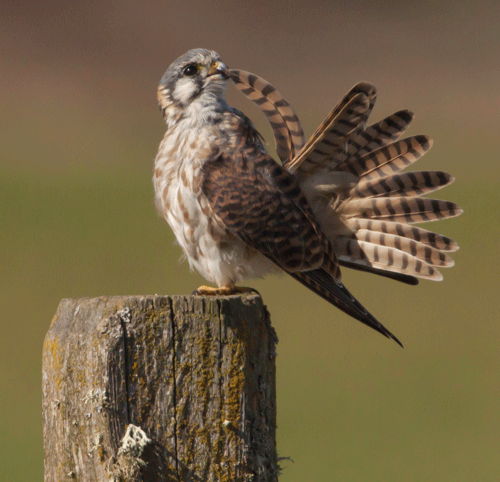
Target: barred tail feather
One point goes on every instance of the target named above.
(403, 278)
(375, 136)
(429, 255)
(406, 184)
(287, 129)
(408, 210)
(360, 88)
(388, 160)
(422, 236)
(331, 137)
(385, 258)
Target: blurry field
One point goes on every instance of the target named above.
(78, 138)
(351, 403)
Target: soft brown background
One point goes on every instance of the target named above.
(79, 129)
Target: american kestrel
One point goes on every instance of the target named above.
(337, 199)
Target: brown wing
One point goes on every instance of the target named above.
(260, 203)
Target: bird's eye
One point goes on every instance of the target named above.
(190, 70)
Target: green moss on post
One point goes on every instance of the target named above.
(192, 378)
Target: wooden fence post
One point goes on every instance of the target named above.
(160, 388)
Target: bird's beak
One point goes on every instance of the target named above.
(219, 68)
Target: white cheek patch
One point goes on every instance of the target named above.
(184, 90)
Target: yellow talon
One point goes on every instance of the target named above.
(223, 291)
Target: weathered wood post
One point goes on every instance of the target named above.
(160, 388)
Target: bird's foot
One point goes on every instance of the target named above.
(223, 291)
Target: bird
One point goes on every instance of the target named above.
(336, 200)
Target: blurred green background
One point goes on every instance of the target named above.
(79, 129)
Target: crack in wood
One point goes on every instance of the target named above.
(125, 365)
(221, 378)
(174, 391)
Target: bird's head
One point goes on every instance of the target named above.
(198, 76)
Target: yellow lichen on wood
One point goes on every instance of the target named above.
(51, 345)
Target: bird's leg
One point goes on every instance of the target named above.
(223, 291)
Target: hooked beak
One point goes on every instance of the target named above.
(219, 68)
